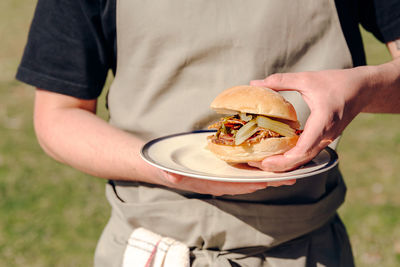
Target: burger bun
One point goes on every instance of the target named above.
(260, 101)
(255, 100)
(253, 152)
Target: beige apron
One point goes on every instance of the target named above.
(174, 57)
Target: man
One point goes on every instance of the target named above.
(170, 59)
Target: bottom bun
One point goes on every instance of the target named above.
(253, 152)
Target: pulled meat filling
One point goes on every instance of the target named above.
(227, 128)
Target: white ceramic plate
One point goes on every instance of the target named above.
(186, 154)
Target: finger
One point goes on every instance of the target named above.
(223, 188)
(280, 183)
(310, 143)
(279, 163)
(280, 81)
(239, 188)
(173, 178)
(260, 83)
(256, 164)
(315, 136)
(216, 188)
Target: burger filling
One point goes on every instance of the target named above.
(249, 129)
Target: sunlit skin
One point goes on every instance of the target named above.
(69, 130)
(335, 97)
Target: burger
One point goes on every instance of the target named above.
(258, 123)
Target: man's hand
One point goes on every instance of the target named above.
(334, 97)
(215, 188)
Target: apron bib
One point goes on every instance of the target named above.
(174, 57)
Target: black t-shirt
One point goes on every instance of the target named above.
(72, 44)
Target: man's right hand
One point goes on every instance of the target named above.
(216, 188)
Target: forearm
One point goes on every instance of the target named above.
(385, 83)
(79, 138)
(69, 131)
(384, 88)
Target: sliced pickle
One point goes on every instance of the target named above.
(245, 117)
(245, 132)
(276, 126)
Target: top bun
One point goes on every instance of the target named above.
(256, 100)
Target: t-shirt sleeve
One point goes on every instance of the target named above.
(388, 19)
(66, 51)
(382, 18)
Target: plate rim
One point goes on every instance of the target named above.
(334, 160)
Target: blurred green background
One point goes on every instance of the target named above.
(52, 215)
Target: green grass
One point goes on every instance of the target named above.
(52, 215)
(369, 154)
